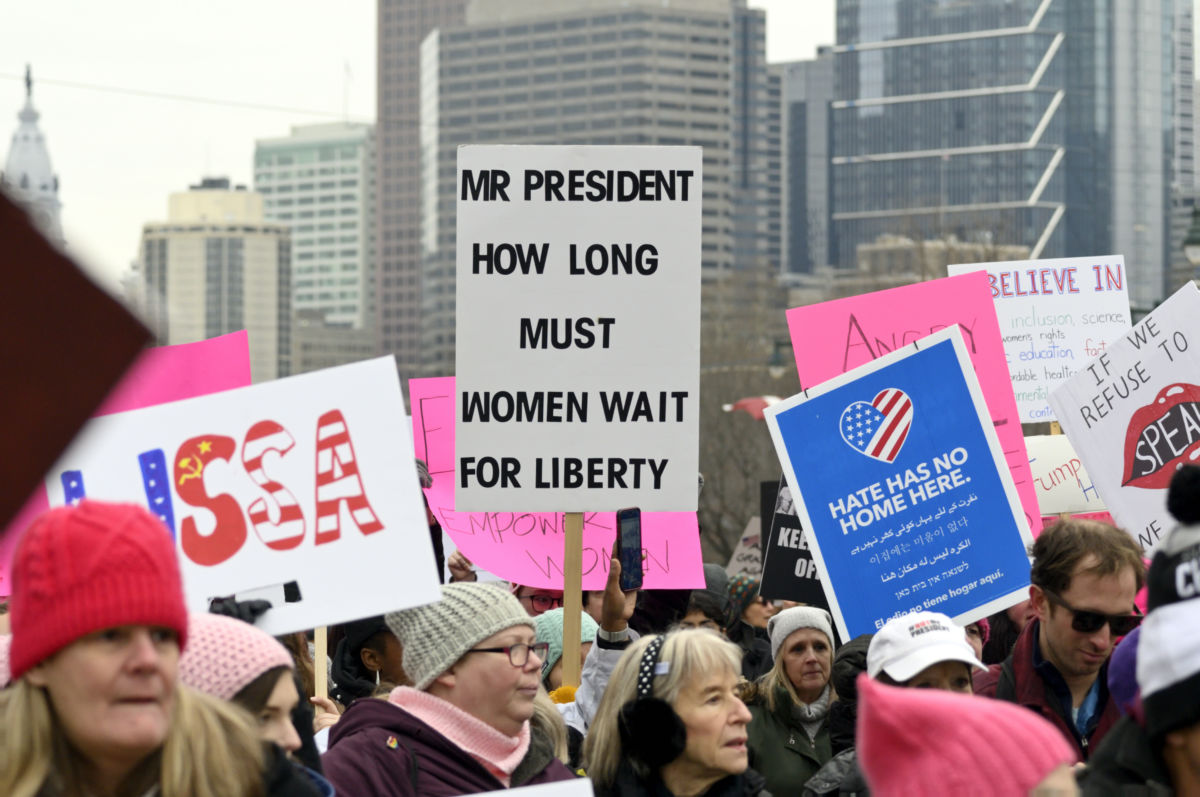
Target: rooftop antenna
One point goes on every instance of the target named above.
(346, 75)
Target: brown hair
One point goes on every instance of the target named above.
(254, 696)
(297, 645)
(1061, 548)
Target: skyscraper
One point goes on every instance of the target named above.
(683, 72)
(1047, 123)
(217, 266)
(320, 181)
(401, 25)
(806, 91)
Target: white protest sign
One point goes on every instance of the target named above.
(1133, 414)
(1063, 484)
(747, 556)
(578, 328)
(309, 479)
(1055, 315)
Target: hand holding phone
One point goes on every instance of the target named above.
(629, 547)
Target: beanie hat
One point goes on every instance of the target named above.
(929, 742)
(359, 633)
(781, 626)
(908, 644)
(88, 567)
(848, 664)
(743, 589)
(1168, 667)
(985, 628)
(438, 634)
(423, 475)
(1174, 573)
(1122, 672)
(549, 628)
(716, 579)
(226, 655)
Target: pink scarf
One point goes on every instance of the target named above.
(500, 754)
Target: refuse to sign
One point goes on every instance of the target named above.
(1133, 414)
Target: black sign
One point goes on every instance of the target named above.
(789, 572)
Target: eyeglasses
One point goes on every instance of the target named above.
(1086, 621)
(543, 603)
(518, 654)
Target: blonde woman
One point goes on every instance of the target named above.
(671, 721)
(98, 622)
(789, 736)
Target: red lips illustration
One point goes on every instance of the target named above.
(1162, 436)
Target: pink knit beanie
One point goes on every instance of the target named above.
(933, 742)
(225, 655)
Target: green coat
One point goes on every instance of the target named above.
(780, 749)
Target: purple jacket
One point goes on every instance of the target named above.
(378, 748)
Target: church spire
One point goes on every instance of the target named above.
(28, 177)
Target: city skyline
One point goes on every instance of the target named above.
(156, 144)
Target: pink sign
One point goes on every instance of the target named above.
(162, 374)
(832, 337)
(527, 548)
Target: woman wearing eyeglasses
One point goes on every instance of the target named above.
(463, 727)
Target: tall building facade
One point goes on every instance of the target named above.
(1045, 123)
(806, 95)
(28, 177)
(651, 72)
(401, 25)
(320, 182)
(216, 266)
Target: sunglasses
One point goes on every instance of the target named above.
(1086, 621)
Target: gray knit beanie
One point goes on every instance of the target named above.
(437, 635)
(788, 621)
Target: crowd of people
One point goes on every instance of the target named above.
(110, 686)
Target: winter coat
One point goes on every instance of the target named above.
(780, 748)
(282, 778)
(841, 776)
(628, 784)
(1016, 681)
(380, 749)
(756, 650)
(1126, 763)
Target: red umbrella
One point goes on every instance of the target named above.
(752, 406)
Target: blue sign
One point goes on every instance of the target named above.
(902, 487)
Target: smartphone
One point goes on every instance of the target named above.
(629, 547)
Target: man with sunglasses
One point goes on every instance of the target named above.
(1084, 578)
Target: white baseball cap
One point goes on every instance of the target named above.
(908, 644)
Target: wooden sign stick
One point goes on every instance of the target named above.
(572, 596)
(320, 679)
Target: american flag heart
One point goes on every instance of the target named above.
(878, 429)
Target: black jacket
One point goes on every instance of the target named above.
(628, 784)
(1126, 763)
(284, 779)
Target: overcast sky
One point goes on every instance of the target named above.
(118, 156)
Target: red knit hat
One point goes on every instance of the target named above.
(932, 742)
(85, 568)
